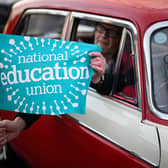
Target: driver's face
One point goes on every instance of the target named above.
(107, 37)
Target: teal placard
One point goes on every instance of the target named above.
(44, 76)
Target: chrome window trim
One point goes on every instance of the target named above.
(46, 11)
(125, 32)
(148, 73)
(50, 12)
(118, 22)
(132, 42)
(121, 49)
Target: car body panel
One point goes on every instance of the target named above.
(112, 133)
(115, 119)
(72, 146)
(163, 141)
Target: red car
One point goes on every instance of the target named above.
(127, 129)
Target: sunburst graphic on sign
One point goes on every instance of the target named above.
(44, 76)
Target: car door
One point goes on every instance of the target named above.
(118, 118)
(112, 133)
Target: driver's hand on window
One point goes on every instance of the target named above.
(98, 63)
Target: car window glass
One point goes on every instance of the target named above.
(83, 31)
(127, 68)
(42, 25)
(159, 50)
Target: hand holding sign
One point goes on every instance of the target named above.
(98, 64)
(44, 76)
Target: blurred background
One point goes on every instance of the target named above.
(5, 8)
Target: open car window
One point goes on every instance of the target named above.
(83, 31)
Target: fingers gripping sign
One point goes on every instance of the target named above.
(10, 129)
(98, 63)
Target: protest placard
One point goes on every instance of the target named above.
(44, 76)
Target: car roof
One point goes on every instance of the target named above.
(141, 12)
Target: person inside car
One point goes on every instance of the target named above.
(108, 38)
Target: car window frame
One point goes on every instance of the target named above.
(131, 30)
(148, 73)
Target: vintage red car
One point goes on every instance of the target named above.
(128, 129)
